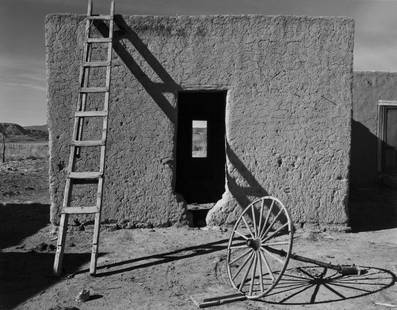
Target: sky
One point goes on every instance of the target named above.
(22, 52)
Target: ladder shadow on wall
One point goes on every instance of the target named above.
(240, 193)
(168, 85)
(154, 89)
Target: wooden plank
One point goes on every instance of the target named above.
(99, 40)
(97, 229)
(94, 89)
(80, 210)
(91, 113)
(96, 64)
(88, 143)
(201, 206)
(85, 175)
(387, 102)
(100, 17)
(95, 241)
(216, 300)
(63, 226)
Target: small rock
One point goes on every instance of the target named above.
(83, 296)
(310, 235)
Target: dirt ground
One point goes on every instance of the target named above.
(163, 268)
(24, 181)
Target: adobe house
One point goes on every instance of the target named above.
(211, 111)
(373, 93)
(374, 150)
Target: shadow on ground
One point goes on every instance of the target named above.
(315, 285)
(24, 275)
(20, 221)
(161, 258)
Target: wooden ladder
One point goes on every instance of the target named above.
(77, 141)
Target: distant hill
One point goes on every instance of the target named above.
(16, 133)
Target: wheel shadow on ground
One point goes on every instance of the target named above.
(20, 221)
(310, 284)
(24, 275)
(157, 259)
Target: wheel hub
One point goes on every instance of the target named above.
(254, 244)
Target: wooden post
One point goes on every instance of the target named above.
(4, 148)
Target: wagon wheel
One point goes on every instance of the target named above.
(259, 247)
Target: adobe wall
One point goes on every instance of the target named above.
(368, 88)
(288, 111)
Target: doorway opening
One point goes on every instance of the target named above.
(200, 147)
(387, 142)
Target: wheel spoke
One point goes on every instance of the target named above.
(272, 255)
(241, 266)
(240, 234)
(246, 273)
(246, 224)
(260, 217)
(254, 220)
(240, 256)
(253, 273)
(272, 223)
(267, 218)
(277, 243)
(274, 233)
(269, 270)
(239, 247)
(261, 236)
(260, 273)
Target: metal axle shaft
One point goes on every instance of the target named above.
(342, 269)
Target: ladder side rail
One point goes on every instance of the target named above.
(95, 242)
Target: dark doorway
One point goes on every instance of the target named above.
(200, 161)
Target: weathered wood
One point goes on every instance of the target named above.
(77, 141)
(88, 142)
(100, 17)
(99, 40)
(3, 157)
(80, 210)
(93, 89)
(91, 113)
(96, 64)
(85, 175)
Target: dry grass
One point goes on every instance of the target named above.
(19, 151)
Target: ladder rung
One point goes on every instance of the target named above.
(94, 89)
(99, 40)
(80, 210)
(90, 113)
(88, 143)
(96, 64)
(104, 17)
(85, 175)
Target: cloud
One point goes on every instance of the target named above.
(22, 73)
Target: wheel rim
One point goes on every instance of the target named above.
(259, 247)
